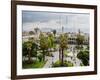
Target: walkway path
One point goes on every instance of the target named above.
(51, 60)
(48, 63)
(72, 57)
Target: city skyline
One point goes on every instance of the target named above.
(47, 21)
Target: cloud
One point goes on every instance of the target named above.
(43, 20)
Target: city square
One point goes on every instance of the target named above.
(50, 47)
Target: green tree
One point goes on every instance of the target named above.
(43, 44)
(63, 42)
(50, 41)
(27, 46)
(40, 56)
(80, 40)
(84, 57)
(24, 50)
(35, 47)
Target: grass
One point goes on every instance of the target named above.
(66, 64)
(34, 64)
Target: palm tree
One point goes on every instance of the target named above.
(24, 51)
(35, 49)
(29, 46)
(63, 41)
(80, 40)
(50, 41)
(43, 44)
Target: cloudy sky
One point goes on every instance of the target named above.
(47, 21)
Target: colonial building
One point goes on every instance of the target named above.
(72, 38)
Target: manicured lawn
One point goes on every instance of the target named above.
(34, 64)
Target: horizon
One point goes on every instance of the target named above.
(45, 21)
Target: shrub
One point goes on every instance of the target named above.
(84, 57)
